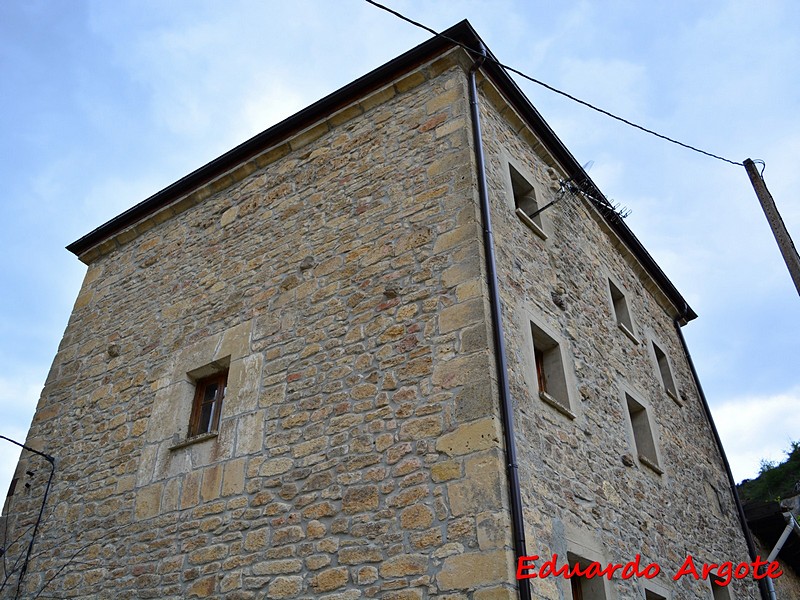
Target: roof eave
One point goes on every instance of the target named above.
(460, 34)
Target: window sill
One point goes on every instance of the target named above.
(531, 224)
(650, 464)
(195, 439)
(627, 332)
(674, 396)
(547, 398)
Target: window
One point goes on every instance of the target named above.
(550, 375)
(208, 397)
(621, 310)
(584, 588)
(651, 595)
(525, 202)
(719, 591)
(642, 433)
(665, 372)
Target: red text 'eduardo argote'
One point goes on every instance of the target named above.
(723, 573)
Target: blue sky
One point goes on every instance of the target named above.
(105, 103)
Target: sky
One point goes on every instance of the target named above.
(105, 103)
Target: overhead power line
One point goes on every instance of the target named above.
(553, 89)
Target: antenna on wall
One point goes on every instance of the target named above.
(574, 186)
(570, 185)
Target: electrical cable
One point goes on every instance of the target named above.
(553, 89)
(52, 462)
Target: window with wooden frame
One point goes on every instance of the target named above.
(208, 396)
(584, 588)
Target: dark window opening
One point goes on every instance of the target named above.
(525, 200)
(621, 310)
(665, 372)
(550, 374)
(642, 434)
(208, 397)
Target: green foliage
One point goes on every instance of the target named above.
(775, 480)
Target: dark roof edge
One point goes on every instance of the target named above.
(461, 33)
(269, 138)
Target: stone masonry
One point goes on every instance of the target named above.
(338, 274)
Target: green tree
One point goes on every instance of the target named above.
(775, 480)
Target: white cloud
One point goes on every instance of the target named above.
(756, 428)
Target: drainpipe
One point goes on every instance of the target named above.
(790, 525)
(515, 495)
(751, 548)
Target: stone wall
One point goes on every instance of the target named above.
(358, 452)
(585, 490)
(339, 277)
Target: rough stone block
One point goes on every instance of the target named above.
(461, 315)
(285, 587)
(212, 481)
(416, 517)
(330, 579)
(360, 499)
(480, 489)
(404, 565)
(475, 569)
(233, 477)
(424, 427)
(461, 370)
(470, 437)
(148, 501)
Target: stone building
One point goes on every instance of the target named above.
(284, 376)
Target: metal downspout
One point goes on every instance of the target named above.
(791, 524)
(751, 548)
(515, 496)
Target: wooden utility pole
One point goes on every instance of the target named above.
(779, 230)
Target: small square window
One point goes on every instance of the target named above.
(666, 373)
(550, 375)
(525, 202)
(651, 595)
(621, 310)
(642, 433)
(207, 406)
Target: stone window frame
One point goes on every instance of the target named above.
(517, 178)
(620, 307)
(661, 364)
(642, 433)
(168, 450)
(653, 591)
(720, 592)
(584, 546)
(528, 319)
